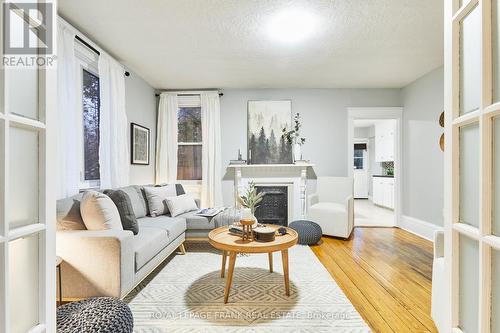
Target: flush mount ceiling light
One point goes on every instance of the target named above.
(291, 26)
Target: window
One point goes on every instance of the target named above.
(359, 155)
(90, 99)
(89, 120)
(189, 138)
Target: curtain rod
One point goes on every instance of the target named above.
(93, 49)
(188, 94)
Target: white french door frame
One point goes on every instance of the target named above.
(395, 113)
(44, 228)
(484, 116)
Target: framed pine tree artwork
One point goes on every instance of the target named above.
(266, 120)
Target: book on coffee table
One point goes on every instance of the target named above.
(210, 212)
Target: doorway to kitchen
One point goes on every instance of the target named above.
(374, 164)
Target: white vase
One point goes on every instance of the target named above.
(246, 214)
(297, 152)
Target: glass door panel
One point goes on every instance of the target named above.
(496, 178)
(23, 284)
(469, 174)
(470, 62)
(23, 177)
(25, 81)
(495, 46)
(468, 284)
(495, 291)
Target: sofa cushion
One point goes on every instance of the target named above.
(68, 213)
(137, 199)
(174, 226)
(181, 204)
(147, 244)
(197, 222)
(156, 198)
(125, 209)
(99, 212)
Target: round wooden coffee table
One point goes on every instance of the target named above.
(231, 245)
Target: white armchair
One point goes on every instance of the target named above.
(438, 282)
(332, 206)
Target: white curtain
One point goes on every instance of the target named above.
(68, 161)
(211, 189)
(113, 141)
(166, 139)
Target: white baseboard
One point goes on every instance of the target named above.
(418, 227)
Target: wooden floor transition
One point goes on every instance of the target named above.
(386, 274)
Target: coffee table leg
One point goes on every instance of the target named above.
(223, 269)
(270, 262)
(232, 260)
(284, 257)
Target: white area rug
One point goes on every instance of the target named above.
(185, 294)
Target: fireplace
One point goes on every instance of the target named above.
(291, 176)
(273, 209)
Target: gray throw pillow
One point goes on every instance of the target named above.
(137, 199)
(181, 204)
(157, 197)
(179, 189)
(125, 209)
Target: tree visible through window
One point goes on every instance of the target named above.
(91, 101)
(190, 141)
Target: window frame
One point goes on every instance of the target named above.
(85, 60)
(364, 158)
(192, 101)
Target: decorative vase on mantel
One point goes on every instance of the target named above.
(297, 152)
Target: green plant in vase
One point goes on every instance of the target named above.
(294, 138)
(251, 198)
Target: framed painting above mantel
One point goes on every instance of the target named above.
(266, 120)
(139, 144)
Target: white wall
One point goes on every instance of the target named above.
(324, 115)
(422, 158)
(361, 132)
(141, 107)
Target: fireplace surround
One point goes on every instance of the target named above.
(292, 176)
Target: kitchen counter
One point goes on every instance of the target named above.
(384, 176)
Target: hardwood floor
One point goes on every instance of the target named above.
(386, 273)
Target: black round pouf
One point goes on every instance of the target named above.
(99, 314)
(309, 232)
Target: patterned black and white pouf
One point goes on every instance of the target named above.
(309, 232)
(99, 314)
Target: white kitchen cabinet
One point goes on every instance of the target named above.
(383, 191)
(384, 141)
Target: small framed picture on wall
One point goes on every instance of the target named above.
(139, 138)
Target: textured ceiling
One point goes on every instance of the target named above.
(224, 43)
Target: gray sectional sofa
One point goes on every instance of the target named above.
(113, 262)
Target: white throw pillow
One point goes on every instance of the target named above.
(181, 204)
(157, 197)
(99, 212)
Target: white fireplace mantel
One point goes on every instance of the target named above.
(270, 166)
(292, 175)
